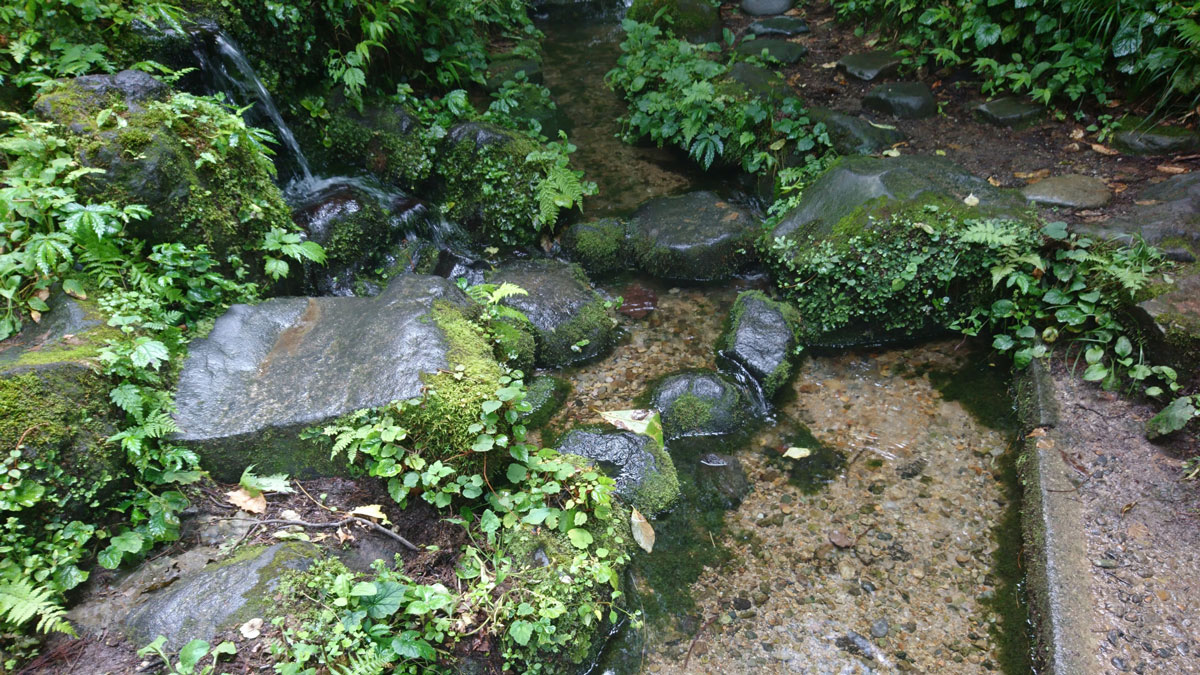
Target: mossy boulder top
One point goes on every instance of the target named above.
(696, 236)
(699, 403)
(857, 182)
(761, 338)
(562, 308)
(267, 371)
(90, 93)
(643, 471)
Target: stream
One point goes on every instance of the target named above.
(890, 547)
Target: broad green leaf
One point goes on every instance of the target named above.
(521, 631)
(386, 600)
(1172, 418)
(579, 537)
(191, 654)
(644, 422)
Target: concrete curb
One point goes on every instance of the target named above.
(1056, 565)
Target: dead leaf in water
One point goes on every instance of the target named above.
(840, 539)
(643, 533)
(971, 200)
(797, 453)
(1032, 175)
(994, 181)
(242, 499)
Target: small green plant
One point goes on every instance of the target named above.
(190, 657)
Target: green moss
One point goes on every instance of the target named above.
(593, 323)
(454, 398)
(692, 18)
(599, 246)
(660, 489)
(356, 235)
(515, 342)
(385, 141)
(687, 413)
(545, 395)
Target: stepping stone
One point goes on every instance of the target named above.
(869, 66)
(759, 82)
(1072, 191)
(1009, 112)
(598, 245)
(1166, 215)
(761, 340)
(569, 320)
(780, 50)
(643, 471)
(906, 100)
(765, 7)
(781, 26)
(692, 237)
(699, 403)
(1137, 137)
(852, 135)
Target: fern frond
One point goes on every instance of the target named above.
(990, 233)
(20, 601)
(373, 663)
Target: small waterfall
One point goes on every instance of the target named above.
(235, 76)
(758, 399)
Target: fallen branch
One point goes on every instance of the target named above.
(345, 521)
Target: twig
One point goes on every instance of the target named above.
(696, 638)
(345, 521)
(21, 440)
(310, 497)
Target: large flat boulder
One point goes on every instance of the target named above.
(268, 371)
(1166, 215)
(696, 236)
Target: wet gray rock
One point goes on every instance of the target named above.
(721, 481)
(563, 309)
(221, 596)
(643, 471)
(765, 7)
(1010, 112)
(761, 339)
(779, 26)
(869, 66)
(545, 395)
(699, 403)
(853, 135)
(479, 134)
(598, 245)
(1171, 322)
(1166, 215)
(133, 88)
(697, 236)
(906, 100)
(759, 82)
(1138, 137)
(854, 181)
(880, 628)
(1072, 191)
(781, 50)
(268, 371)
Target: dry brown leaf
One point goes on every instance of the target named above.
(370, 511)
(1172, 169)
(994, 181)
(1145, 202)
(1103, 150)
(1045, 443)
(830, 64)
(344, 536)
(1077, 134)
(35, 315)
(1072, 147)
(1118, 188)
(43, 294)
(247, 502)
(643, 533)
(1036, 433)
(1032, 175)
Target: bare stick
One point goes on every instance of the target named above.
(346, 521)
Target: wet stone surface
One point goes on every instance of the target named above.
(906, 100)
(869, 66)
(1072, 191)
(1009, 112)
(784, 26)
(780, 50)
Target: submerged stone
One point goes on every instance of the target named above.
(765, 7)
(853, 135)
(1010, 112)
(761, 338)
(218, 598)
(545, 396)
(1166, 215)
(721, 481)
(1072, 191)
(268, 371)
(699, 403)
(784, 51)
(784, 26)
(598, 245)
(697, 236)
(643, 471)
(869, 66)
(568, 318)
(906, 100)
(1136, 136)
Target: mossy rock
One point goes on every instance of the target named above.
(383, 139)
(753, 81)
(266, 373)
(155, 159)
(510, 66)
(598, 245)
(1171, 323)
(642, 469)
(761, 336)
(545, 395)
(699, 403)
(696, 236)
(1166, 215)
(571, 322)
(55, 409)
(851, 135)
(1137, 136)
(410, 256)
(694, 20)
(222, 596)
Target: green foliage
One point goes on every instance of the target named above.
(190, 656)
(1172, 418)
(680, 94)
(1051, 49)
(21, 601)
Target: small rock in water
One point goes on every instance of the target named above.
(880, 628)
(741, 604)
(638, 301)
(765, 7)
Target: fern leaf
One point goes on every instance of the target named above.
(373, 663)
(20, 601)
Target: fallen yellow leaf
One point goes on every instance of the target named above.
(247, 502)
